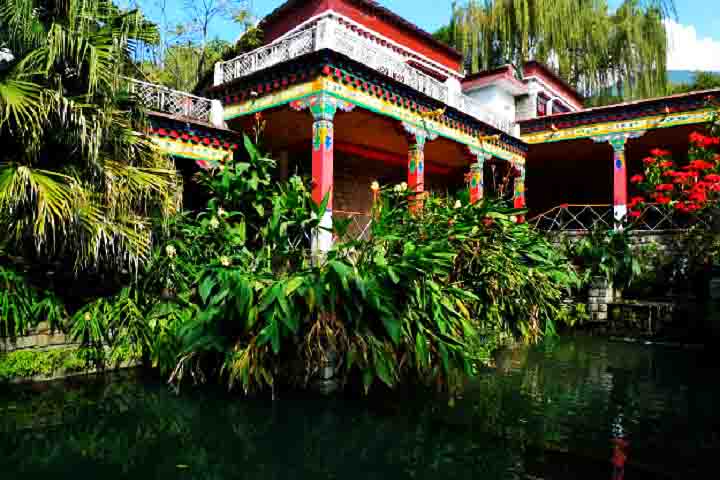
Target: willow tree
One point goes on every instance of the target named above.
(594, 49)
(79, 180)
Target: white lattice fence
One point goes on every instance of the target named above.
(162, 99)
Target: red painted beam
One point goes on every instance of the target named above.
(385, 157)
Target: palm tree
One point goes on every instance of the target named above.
(79, 180)
(591, 47)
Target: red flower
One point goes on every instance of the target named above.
(680, 206)
(701, 165)
(713, 177)
(666, 164)
(698, 196)
(671, 173)
(660, 153)
(664, 187)
(662, 199)
(648, 160)
(206, 141)
(634, 214)
(637, 178)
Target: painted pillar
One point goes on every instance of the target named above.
(323, 108)
(416, 172)
(417, 137)
(519, 199)
(476, 177)
(618, 142)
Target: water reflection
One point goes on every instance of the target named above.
(554, 411)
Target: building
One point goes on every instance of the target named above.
(352, 93)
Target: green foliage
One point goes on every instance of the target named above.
(424, 300)
(23, 306)
(627, 45)
(78, 177)
(702, 81)
(609, 254)
(30, 363)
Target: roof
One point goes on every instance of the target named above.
(623, 111)
(644, 101)
(555, 77)
(504, 74)
(381, 11)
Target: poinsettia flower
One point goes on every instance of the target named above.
(634, 214)
(671, 173)
(664, 187)
(637, 178)
(666, 164)
(658, 152)
(713, 177)
(662, 199)
(701, 165)
(649, 160)
(698, 196)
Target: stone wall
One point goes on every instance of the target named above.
(600, 295)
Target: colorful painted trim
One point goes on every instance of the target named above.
(205, 156)
(378, 104)
(192, 137)
(640, 124)
(354, 76)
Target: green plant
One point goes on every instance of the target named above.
(79, 179)
(30, 363)
(608, 254)
(23, 306)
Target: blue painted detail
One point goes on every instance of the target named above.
(328, 141)
(421, 166)
(618, 164)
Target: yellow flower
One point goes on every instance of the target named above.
(88, 316)
(214, 223)
(225, 261)
(458, 204)
(170, 251)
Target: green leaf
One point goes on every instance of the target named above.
(206, 287)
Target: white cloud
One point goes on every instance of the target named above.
(686, 51)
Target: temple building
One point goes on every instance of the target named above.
(352, 93)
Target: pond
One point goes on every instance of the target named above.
(547, 411)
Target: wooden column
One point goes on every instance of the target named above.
(323, 108)
(476, 176)
(618, 141)
(519, 198)
(417, 137)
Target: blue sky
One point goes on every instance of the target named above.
(695, 34)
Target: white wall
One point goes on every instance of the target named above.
(496, 100)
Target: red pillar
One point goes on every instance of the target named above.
(476, 176)
(323, 108)
(416, 173)
(417, 137)
(618, 141)
(519, 199)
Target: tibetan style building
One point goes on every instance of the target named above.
(353, 93)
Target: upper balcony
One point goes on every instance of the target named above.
(335, 32)
(177, 104)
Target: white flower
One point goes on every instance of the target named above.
(513, 218)
(170, 251)
(375, 186)
(221, 211)
(396, 188)
(403, 186)
(214, 222)
(457, 204)
(225, 261)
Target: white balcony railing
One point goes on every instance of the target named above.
(159, 98)
(330, 31)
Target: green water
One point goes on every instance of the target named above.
(548, 411)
